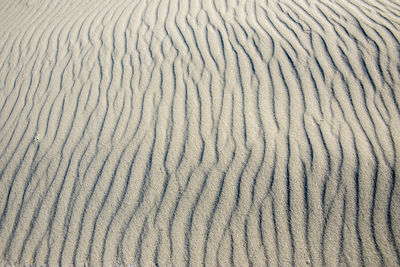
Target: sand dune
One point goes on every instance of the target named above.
(215, 133)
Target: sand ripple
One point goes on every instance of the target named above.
(178, 133)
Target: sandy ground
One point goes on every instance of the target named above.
(201, 133)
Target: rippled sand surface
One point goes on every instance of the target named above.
(200, 133)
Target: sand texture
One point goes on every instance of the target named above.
(200, 132)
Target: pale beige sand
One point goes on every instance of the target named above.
(187, 132)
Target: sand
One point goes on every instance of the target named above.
(201, 133)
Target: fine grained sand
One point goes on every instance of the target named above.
(187, 132)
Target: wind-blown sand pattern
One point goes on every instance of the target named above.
(212, 133)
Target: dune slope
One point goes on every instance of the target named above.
(208, 132)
